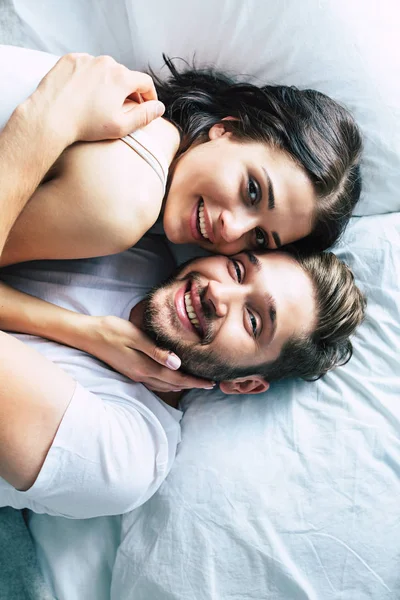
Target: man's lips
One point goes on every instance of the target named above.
(180, 307)
(198, 309)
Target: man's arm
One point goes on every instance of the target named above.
(81, 98)
(34, 395)
(28, 148)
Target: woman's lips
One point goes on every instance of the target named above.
(194, 227)
(193, 222)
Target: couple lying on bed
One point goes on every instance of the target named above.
(250, 170)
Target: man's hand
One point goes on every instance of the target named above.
(81, 98)
(88, 98)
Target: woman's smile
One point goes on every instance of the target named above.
(220, 197)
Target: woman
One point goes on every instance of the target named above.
(249, 167)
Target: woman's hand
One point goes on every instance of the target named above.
(128, 350)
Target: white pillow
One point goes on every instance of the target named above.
(22, 71)
(94, 26)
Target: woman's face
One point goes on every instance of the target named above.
(227, 196)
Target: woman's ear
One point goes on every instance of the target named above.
(254, 384)
(219, 129)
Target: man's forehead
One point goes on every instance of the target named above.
(275, 257)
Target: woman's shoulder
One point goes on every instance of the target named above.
(124, 186)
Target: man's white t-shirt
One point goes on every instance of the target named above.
(117, 440)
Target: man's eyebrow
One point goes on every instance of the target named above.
(271, 195)
(272, 313)
(269, 300)
(253, 259)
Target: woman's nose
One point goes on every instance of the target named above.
(233, 225)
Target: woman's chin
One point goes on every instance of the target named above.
(173, 234)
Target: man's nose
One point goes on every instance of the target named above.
(217, 297)
(233, 225)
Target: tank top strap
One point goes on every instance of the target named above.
(142, 143)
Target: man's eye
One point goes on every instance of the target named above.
(253, 322)
(261, 238)
(253, 191)
(238, 270)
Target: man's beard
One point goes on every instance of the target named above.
(196, 359)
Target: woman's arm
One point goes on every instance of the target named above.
(115, 341)
(102, 200)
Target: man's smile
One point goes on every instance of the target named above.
(189, 310)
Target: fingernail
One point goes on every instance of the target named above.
(173, 362)
(160, 109)
(177, 390)
(209, 387)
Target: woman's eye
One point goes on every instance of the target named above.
(238, 270)
(253, 322)
(261, 238)
(253, 190)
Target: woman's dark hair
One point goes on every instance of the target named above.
(320, 135)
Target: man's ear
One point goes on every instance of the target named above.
(254, 384)
(219, 129)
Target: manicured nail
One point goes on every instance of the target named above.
(160, 109)
(173, 362)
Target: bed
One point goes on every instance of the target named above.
(295, 494)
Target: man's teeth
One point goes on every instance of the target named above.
(190, 311)
(202, 221)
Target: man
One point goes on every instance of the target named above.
(242, 321)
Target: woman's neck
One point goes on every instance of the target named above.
(166, 137)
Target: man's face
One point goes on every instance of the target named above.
(221, 314)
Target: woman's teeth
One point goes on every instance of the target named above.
(201, 220)
(190, 311)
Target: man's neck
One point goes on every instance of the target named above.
(171, 398)
(137, 313)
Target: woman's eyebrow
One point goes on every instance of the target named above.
(270, 188)
(271, 206)
(277, 239)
